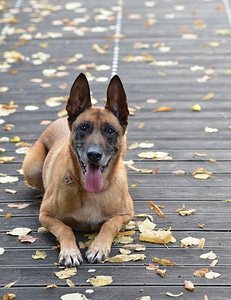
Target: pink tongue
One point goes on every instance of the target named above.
(93, 179)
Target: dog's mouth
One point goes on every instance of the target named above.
(92, 176)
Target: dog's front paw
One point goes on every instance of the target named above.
(70, 257)
(97, 252)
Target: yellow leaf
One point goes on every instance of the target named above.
(66, 273)
(202, 176)
(208, 96)
(40, 254)
(8, 296)
(101, 280)
(158, 237)
(196, 107)
(214, 44)
(70, 283)
(15, 139)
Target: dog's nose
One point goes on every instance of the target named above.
(94, 156)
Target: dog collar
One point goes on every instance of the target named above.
(68, 179)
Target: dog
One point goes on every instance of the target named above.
(78, 163)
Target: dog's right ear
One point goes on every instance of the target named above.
(79, 98)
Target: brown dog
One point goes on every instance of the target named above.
(79, 164)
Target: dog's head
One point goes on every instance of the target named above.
(97, 133)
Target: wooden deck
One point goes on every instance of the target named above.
(171, 54)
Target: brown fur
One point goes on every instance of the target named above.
(53, 164)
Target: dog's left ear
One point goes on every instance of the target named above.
(117, 100)
(79, 99)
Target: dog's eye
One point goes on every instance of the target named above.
(83, 127)
(110, 131)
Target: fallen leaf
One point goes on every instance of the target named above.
(73, 296)
(161, 273)
(203, 79)
(152, 267)
(122, 240)
(188, 285)
(40, 254)
(214, 44)
(12, 192)
(26, 239)
(201, 244)
(19, 231)
(187, 212)
(70, 283)
(208, 96)
(212, 275)
(208, 255)
(178, 172)
(125, 258)
(213, 263)
(158, 237)
(162, 109)
(201, 272)
(8, 215)
(6, 159)
(146, 225)
(202, 176)
(135, 247)
(51, 286)
(155, 155)
(174, 295)
(55, 101)
(18, 206)
(196, 107)
(101, 280)
(66, 273)
(2, 250)
(9, 285)
(210, 129)
(189, 241)
(8, 296)
(31, 107)
(157, 210)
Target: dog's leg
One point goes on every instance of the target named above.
(33, 165)
(69, 252)
(101, 246)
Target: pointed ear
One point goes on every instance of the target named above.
(79, 98)
(117, 100)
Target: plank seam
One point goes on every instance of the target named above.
(116, 48)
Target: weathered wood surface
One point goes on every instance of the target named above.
(196, 34)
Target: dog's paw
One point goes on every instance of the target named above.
(70, 257)
(96, 252)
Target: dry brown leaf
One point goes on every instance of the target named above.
(8, 215)
(51, 286)
(8, 296)
(188, 285)
(161, 273)
(157, 209)
(201, 272)
(9, 285)
(163, 261)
